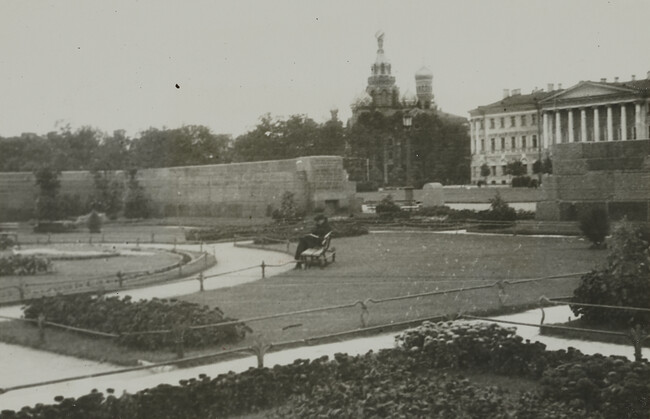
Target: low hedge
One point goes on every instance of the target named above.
(283, 231)
(408, 381)
(123, 316)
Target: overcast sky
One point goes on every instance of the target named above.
(114, 64)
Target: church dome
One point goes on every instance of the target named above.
(423, 73)
(409, 98)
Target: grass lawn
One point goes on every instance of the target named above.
(373, 266)
(380, 266)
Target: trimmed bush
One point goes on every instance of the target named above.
(23, 265)
(594, 225)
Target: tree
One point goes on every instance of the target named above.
(107, 195)
(594, 225)
(47, 179)
(545, 166)
(136, 202)
(485, 172)
(624, 281)
(516, 168)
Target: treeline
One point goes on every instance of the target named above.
(439, 147)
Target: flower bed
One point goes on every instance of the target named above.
(23, 265)
(127, 318)
(409, 381)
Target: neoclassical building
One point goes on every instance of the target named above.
(590, 111)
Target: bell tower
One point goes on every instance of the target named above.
(381, 84)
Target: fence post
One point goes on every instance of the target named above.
(501, 292)
(41, 327)
(174, 243)
(637, 336)
(263, 270)
(137, 242)
(205, 259)
(179, 339)
(120, 278)
(21, 290)
(259, 349)
(152, 237)
(200, 278)
(49, 238)
(102, 237)
(90, 239)
(365, 314)
(201, 247)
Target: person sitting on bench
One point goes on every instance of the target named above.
(315, 239)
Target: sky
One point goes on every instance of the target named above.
(116, 64)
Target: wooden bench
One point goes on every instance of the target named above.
(321, 255)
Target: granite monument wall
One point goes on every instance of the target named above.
(614, 176)
(227, 190)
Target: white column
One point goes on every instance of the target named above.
(596, 124)
(623, 122)
(637, 121)
(583, 125)
(545, 134)
(610, 124)
(570, 111)
(558, 127)
(472, 137)
(485, 132)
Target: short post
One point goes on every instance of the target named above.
(152, 237)
(49, 238)
(263, 270)
(90, 239)
(137, 242)
(120, 278)
(201, 247)
(205, 260)
(41, 327)
(365, 314)
(21, 290)
(102, 237)
(637, 336)
(201, 279)
(259, 349)
(174, 243)
(501, 292)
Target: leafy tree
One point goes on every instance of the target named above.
(485, 171)
(288, 209)
(47, 179)
(500, 210)
(516, 168)
(624, 281)
(107, 195)
(136, 202)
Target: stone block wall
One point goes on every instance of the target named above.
(227, 190)
(610, 175)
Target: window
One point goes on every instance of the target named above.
(533, 119)
(491, 123)
(534, 141)
(494, 170)
(503, 122)
(513, 143)
(492, 145)
(523, 142)
(482, 144)
(482, 124)
(503, 143)
(523, 120)
(513, 121)
(503, 170)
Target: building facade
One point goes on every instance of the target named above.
(525, 127)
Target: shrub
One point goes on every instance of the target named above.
(523, 182)
(387, 206)
(288, 209)
(94, 222)
(499, 210)
(624, 281)
(6, 242)
(594, 225)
